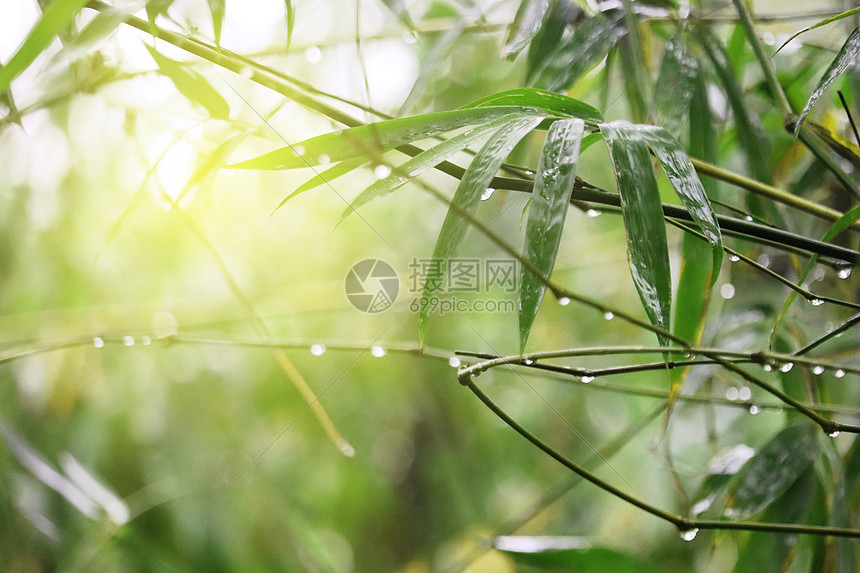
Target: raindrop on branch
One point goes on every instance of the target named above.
(689, 534)
(454, 362)
(587, 379)
(817, 369)
(786, 367)
(839, 373)
(564, 301)
(593, 213)
(608, 315)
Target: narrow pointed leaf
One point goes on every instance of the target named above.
(774, 469)
(424, 161)
(55, 18)
(547, 41)
(431, 61)
(681, 173)
(527, 23)
(675, 84)
(291, 20)
(210, 163)
(479, 174)
(192, 85)
(379, 137)
(824, 22)
(549, 102)
(643, 219)
(568, 554)
(839, 64)
(554, 181)
(326, 177)
(216, 9)
(398, 8)
(721, 470)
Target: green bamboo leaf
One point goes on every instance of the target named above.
(216, 9)
(424, 161)
(773, 470)
(291, 20)
(398, 8)
(104, 24)
(326, 177)
(192, 85)
(55, 18)
(442, 48)
(676, 83)
(549, 102)
(643, 219)
(209, 163)
(562, 15)
(379, 137)
(550, 199)
(479, 174)
(574, 554)
(527, 23)
(839, 64)
(681, 173)
(12, 112)
(721, 470)
(824, 22)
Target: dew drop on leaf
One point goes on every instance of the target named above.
(745, 393)
(564, 301)
(817, 369)
(323, 159)
(377, 351)
(381, 171)
(727, 291)
(313, 54)
(754, 409)
(128, 340)
(98, 342)
(318, 349)
(767, 367)
(839, 373)
(732, 393)
(593, 213)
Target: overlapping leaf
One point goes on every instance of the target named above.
(192, 85)
(561, 17)
(526, 25)
(549, 102)
(326, 177)
(675, 84)
(549, 203)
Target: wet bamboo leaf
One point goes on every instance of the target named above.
(379, 137)
(681, 173)
(773, 470)
(562, 16)
(824, 22)
(326, 177)
(573, 554)
(398, 8)
(721, 470)
(833, 479)
(216, 9)
(192, 85)
(475, 181)
(550, 200)
(55, 18)
(549, 102)
(643, 219)
(839, 64)
(526, 25)
(675, 84)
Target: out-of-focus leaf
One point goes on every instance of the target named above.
(381, 136)
(773, 470)
(841, 146)
(832, 478)
(721, 469)
(6, 99)
(572, 554)
(675, 84)
(55, 17)
(637, 77)
(424, 161)
(398, 8)
(291, 20)
(99, 28)
(155, 8)
(479, 174)
(216, 9)
(550, 102)
(563, 14)
(824, 22)
(839, 64)
(585, 48)
(643, 219)
(326, 177)
(550, 200)
(431, 62)
(526, 25)
(192, 85)
(681, 173)
(210, 163)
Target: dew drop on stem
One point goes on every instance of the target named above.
(734, 258)
(318, 349)
(487, 193)
(839, 373)
(843, 269)
(564, 301)
(377, 351)
(454, 362)
(608, 315)
(754, 410)
(145, 340)
(786, 367)
(816, 301)
(593, 213)
(817, 369)
(586, 379)
(689, 534)
(766, 367)
(834, 433)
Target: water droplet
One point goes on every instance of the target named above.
(313, 54)
(98, 342)
(587, 379)
(834, 433)
(299, 150)
(528, 361)
(734, 258)
(817, 369)
(749, 218)
(731, 393)
(744, 393)
(839, 373)
(689, 534)
(844, 269)
(593, 213)
(128, 340)
(786, 367)
(381, 171)
(727, 291)
(146, 340)
(754, 409)
(377, 351)
(608, 315)
(764, 260)
(323, 159)
(766, 367)
(317, 349)
(454, 362)
(487, 194)
(564, 301)
(816, 301)
(247, 73)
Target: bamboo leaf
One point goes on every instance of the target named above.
(550, 199)
(398, 8)
(824, 22)
(291, 20)
(549, 102)
(216, 9)
(479, 174)
(676, 83)
(381, 136)
(643, 219)
(527, 23)
(562, 15)
(430, 63)
(681, 173)
(773, 470)
(192, 85)
(839, 64)
(55, 18)
(721, 470)
(568, 554)
(326, 177)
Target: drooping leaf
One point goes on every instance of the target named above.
(526, 25)
(676, 83)
(378, 137)
(475, 181)
(55, 18)
(216, 9)
(326, 177)
(398, 8)
(192, 85)
(681, 173)
(573, 554)
(549, 102)
(773, 470)
(824, 22)
(550, 200)
(721, 470)
(839, 64)
(563, 14)
(643, 219)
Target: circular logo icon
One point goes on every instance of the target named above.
(371, 285)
